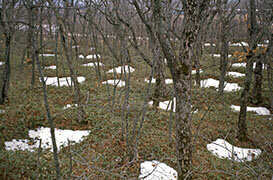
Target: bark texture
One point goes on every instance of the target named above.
(242, 128)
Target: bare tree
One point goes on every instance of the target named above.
(8, 16)
(31, 6)
(68, 55)
(252, 28)
(180, 67)
(226, 12)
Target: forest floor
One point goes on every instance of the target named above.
(103, 154)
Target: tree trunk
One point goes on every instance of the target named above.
(242, 128)
(50, 121)
(160, 86)
(68, 55)
(258, 80)
(6, 72)
(223, 58)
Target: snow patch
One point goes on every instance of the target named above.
(53, 81)
(219, 55)
(43, 133)
(244, 65)
(209, 44)
(70, 105)
(239, 44)
(167, 105)
(120, 69)
(2, 111)
(239, 65)
(2, 63)
(50, 67)
(47, 55)
(91, 56)
(154, 170)
(114, 82)
(223, 149)
(215, 83)
(92, 64)
(194, 71)
(258, 110)
(167, 81)
(235, 74)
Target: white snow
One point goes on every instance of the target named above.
(50, 67)
(92, 64)
(75, 46)
(219, 55)
(258, 110)
(114, 82)
(194, 71)
(209, 44)
(167, 81)
(239, 65)
(223, 149)
(47, 55)
(81, 56)
(244, 65)
(164, 105)
(215, 83)
(2, 111)
(92, 48)
(120, 69)
(167, 104)
(91, 56)
(53, 81)
(239, 44)
(43, 133)
(70, 105)
(154, 170)
(235, 74)
(2, 63)
(262, 45)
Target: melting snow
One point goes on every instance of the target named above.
(114, 82)
(244, 65)
(92, 64)
(53, 81)
(120, 69)
(223, 149)
(154, 170)
(50, 67)
(235, 74)
(1, 63)
(258, 110)
(167, 104)
(75, 46)
(194, 71)
(239, 44)
(47, 55)
(239, 65)
(215, 83)
(43, 133)
(70, 105)
(2, 111)
(91, 56)
(209, 44)
(167, 81)
(219, 55)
